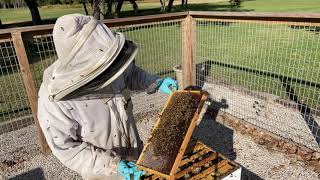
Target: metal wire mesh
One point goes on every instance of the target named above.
(159, 45)
(14, 106)
(159, 50)
(41, 53)
(266, 73)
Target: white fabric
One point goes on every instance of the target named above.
(91, 135)
(85, 48)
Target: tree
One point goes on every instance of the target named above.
(170, 5)
(184, 3)
(33, 7)
(83, 2)
(96, 9)
(119, 5)
(163, 5)
(235, 3)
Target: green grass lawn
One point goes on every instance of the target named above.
(153, 7)
(269, 50)
(282, 5)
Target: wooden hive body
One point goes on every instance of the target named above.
(166, 164)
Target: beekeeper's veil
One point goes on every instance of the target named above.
(89, 54)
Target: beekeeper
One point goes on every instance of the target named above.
(84, 109)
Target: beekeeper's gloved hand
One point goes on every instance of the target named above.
(126, 169)
(137, 173)
(167, 85)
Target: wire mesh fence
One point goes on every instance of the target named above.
(14, 106)
(159, 50)
(267, 73)
(41, 53)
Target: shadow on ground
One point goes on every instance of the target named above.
(219, 137)
(32, 174)
(213, 134)
(248, 175)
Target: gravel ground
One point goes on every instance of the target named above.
(20, 157)
(263, 111)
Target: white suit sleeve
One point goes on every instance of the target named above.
(138, 79)
(60, 131)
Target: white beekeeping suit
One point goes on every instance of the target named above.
(83, 111)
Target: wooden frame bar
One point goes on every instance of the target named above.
(293, 23)
(211, 164)
(108, 22)
(293, 17)
(29, 85)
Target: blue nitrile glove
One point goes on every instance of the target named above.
(126, 169)
(167, 83)
(137, 173)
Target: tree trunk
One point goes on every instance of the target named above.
(96, 9)
(85, 7)
(170, 5)
(134, 6)
(109, 9)
(103, 11)
(118, 8)
(163, 6)
(33, 7)
(182, 3)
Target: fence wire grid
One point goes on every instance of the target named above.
(14, 105)
(266, 73)
(159, 50)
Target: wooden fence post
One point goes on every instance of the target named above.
(29, 85)
(188, 52)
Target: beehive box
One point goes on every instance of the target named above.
(171, 134)
(201, 162)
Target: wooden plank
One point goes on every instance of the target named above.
(188, 136)
(27, 29)
(188, 52)
(108, 22)
(198, 164)
(210, 170)
(5, 37)
(293, 17)
(151, 171)
(259, 22)
(144, 19)
(29, 85)
(194, 149)
(224, 169)
(194, 156)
